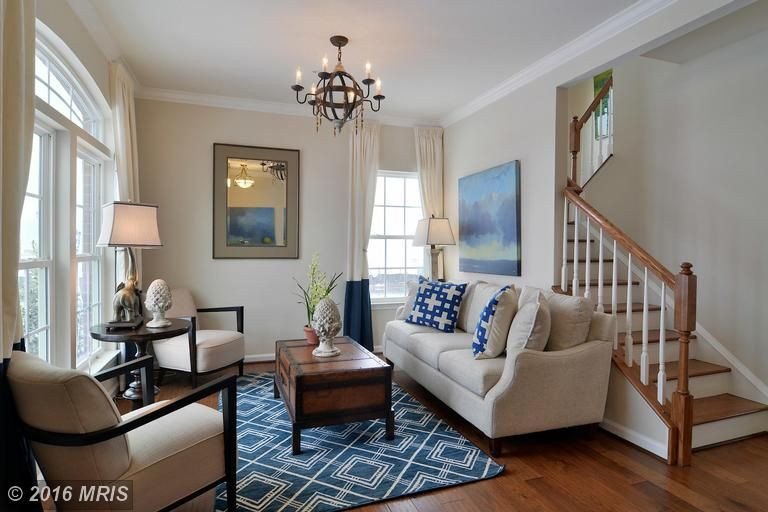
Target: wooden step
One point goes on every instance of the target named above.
(720, 407)
(653, 336)
(696, 368)
(594, 260)
(582, 240)
(637, 307)
(606, 283)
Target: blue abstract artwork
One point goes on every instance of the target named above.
(489, 221)
(251, 226)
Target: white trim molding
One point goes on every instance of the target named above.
(594, 37)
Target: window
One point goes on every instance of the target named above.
(35, 244)
(55, 85)
(88, 296)
(392, 258)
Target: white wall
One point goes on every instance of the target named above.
(689, 180)
(175, 161)
(524, 126)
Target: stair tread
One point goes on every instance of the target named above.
(696, 368)
(606, 282)
(720, 407)
(637, 307)
(605, 260)
(653, 336)
(582, 240)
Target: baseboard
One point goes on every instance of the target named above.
(634, 437)
(267, 358)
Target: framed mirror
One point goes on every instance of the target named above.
(255, 202)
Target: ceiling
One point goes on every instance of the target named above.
(433, 56)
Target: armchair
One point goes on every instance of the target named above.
(202, 350)
(173, 451)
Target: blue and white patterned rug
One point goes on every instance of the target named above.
(344, 466)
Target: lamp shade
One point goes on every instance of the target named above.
(129, 225)
(433, 231)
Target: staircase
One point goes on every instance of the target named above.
(697, 397)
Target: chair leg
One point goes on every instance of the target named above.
(232, 493)
(193, 376)
(494, 446)
(240, 367)
(160, 376)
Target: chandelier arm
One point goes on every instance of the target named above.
(375, 108)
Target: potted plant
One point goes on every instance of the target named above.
(318, 288)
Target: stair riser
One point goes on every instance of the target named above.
(731, 428)
(671, 351)
(637, 322)
(607, 290)
(706, 385)
(594, 250)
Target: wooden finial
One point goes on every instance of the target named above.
(686, 268)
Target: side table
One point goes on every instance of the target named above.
(140, 336)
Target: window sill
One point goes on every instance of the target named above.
(387, 304)
(100, 361)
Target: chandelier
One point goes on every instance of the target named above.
(337, 96)
(243, 180)
(277, 170)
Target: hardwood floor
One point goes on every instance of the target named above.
(581, 469)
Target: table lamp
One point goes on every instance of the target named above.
(434, 231)
(132, 226)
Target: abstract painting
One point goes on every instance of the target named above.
(489, 221)
(251, 226)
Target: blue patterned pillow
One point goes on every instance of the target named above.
(490, 336)
(437, 305)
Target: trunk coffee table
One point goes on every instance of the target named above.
(353, 386)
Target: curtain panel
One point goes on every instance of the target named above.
(429, 164)
(122, 90)
(17, 124)
(363, 165)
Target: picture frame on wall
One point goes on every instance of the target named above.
(489, 221)
(255, 202)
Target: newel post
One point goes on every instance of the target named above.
(575, 146)
(685, 323)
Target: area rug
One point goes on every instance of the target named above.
(344, 466)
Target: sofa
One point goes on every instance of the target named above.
(520, 391)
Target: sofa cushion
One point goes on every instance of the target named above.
(531, 326)
(478, 376)
(490, 336)
(399, 332)
(476, 301)
(410, 299)
(215, 349)
(571, 317)
(437, 305)
(429, 346)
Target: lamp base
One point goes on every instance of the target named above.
(435, 254)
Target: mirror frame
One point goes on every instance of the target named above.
(221, 154)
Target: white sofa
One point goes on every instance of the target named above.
(516, 393)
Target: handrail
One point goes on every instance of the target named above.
(601, 94)
(622, 238)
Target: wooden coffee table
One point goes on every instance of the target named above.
(353, 386)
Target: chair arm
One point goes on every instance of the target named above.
(239, 313)
(226, 384)
(145, 364)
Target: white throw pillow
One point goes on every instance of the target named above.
(571, 318)
(531, 325)
(413, 287)
(490, 338)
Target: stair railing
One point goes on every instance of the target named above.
(596, 148)
(678, 413)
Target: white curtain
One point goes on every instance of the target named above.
(364, 164)
(429, 163)
(126, 146)
(17, 112)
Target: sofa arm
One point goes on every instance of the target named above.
(547, 390)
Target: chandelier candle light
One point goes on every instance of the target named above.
(337, 96)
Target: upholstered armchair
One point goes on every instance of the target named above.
(202, 350)
(174, 452)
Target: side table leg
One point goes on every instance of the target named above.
(390, 425)
(274, 387)
(296, 439)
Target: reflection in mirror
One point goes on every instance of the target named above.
(256, 203)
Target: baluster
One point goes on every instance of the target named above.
(564, 269)
(575, 285)
(644, 351)
(628, 335)
(588, 260)
(662, 378)
(615, 296)
(599, 118)
(600, 273)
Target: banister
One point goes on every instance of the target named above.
(602, 93)
(622, 238)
